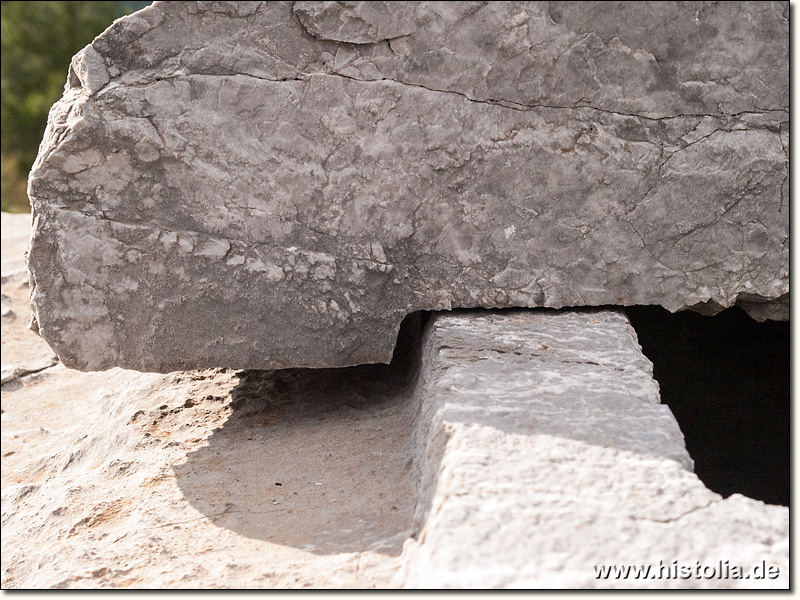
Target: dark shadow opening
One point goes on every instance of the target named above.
(726, 380)
(317, 459)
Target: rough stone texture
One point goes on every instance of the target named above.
(471, 469)
(266, 185)
(544, 452)
(120, 479)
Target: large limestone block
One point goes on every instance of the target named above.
(262, 185)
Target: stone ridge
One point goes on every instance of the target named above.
(267, 185)
(543, 451)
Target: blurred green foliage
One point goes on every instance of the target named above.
(39, 40)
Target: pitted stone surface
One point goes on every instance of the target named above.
(266, 185)
(543, 453)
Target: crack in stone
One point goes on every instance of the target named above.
(519, 106)
(500, 102)
(682, 515)
(20, 371)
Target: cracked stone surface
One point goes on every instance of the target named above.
(520, 449)
(544, 452)
(266, 185)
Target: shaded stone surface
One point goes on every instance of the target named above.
(726, 379)
(203, 479)
(266, 185)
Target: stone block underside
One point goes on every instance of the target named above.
(267, 185)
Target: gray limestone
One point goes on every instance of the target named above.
(522, 449)
(544, 454)
(266, 185)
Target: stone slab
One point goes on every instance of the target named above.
(267, 185)
(544, 455)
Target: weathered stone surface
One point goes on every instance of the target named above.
(267, 185)
(544, 453)
(504, 463)
(119, 479)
